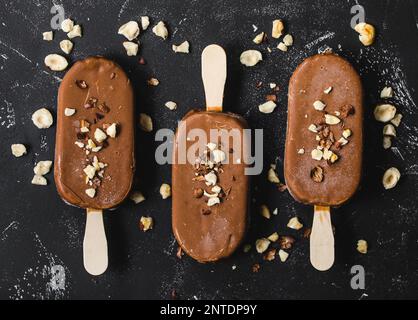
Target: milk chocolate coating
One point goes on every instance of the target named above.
(107, 82)
(341, 179)
(210, 236)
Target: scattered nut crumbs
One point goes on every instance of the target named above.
(258, 39)
(146, 223)
(362, 246)
(272, 175)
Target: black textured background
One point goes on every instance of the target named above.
(38, 231)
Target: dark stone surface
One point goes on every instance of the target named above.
(38, 231)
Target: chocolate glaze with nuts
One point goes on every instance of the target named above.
(209, 233)
(90, 79)
(337, 180)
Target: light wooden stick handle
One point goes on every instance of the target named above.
(322, 239)
(214, 76)
(95, 244)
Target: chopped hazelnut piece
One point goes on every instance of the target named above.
(129, 30)
(367, 33)
(145, 122)
(384, 112)
(67, 25)
(272, 176)
(160, 30)
(153, 82)
(319, 105)
(272, 85)
(343, 141)
(79, 144)
(255, 268)
(265, 211)
(286, 242)
(301, 151)
(282, 47)
(295, 224)
(277, 29)
(362, 246)
(75, 32)
(66, 46)
(91, 192)
(317, 174)
(331, 119)
(273, 237)
(328, 90)
(111, 131)
(313, 128)
(39, 180)
(171, 105)
(334, 157)
(145, 22)
(68, 112)
(288, 40)
(165, 191)
(42, 118)
(275, 212)
(389, 130)
(317, 154)
(99, 135)
(267, 107)
(386, 93)
(42, 167)
(270, 255)
(213, 201)
(250, 58)
(18, 150)
(181, 48)
(211, 179)
(387, 142)
(396, 121)
(262, 245)
(146, 223)
(259, 38)
(131, 48)
(347, 133)
(137, 197)
(391, 178)
(218, 156)
(198, 193)
(55, 62)
(90, 171)
(48, 36)
(283, 255)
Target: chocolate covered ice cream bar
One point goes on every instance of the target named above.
(324, 141)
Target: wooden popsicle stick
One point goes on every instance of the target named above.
(214, 76)
(95, 244)
(322, 239)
